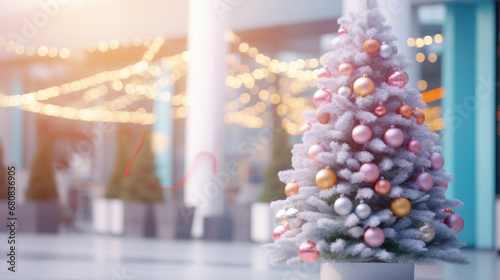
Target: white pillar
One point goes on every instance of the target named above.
(404, 23)
(204, 123)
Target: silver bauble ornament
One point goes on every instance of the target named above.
(427, 230)
(387, 50)
(344, 91)
(343, 206)
(363, 210)
(292, 218)
(279, 216)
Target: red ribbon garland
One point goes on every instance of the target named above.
(127, 173)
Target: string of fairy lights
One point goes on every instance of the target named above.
(272, 85)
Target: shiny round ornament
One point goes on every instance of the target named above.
(324, 73)
(346, 68)
(443, 185)
(405, 111)
(314, 151)
(343, 206)
(424, 181)
(344, 91)
(322, 117)
(370, 172)
(363, 210)
(437, 161)
(387, 50)
(397, 79)
(419, 116)
(363, 86)
(361, 134)
(379, 110)
(292, 188)
(292, 218)
(427, 230)
(414, 146)
(400, 207)
(447, 210)
(322, 97)
(279, 231)
(342, 30)
(455, 222)
(371, 46)
(374, 237)
(326, 178)
(382, 187)
(308, 251)
(305, 127)
(394, 137)
(279, 218)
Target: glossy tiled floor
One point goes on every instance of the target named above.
(89, 257)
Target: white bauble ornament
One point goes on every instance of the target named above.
(292, 218)
(280, 215)
(363, 210)
(343, 206)
(387, 50)
(344, 91)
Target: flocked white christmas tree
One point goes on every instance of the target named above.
(367, 183)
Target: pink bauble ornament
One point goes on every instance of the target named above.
(382, 187)
(342, 30)
(278, 231)
(370, 171)
(394, 137)
(308, 251)
(374, 237)
(443, 185)
(322, 117)
(455, 222)
(437, 161)
(305, 127)
(324, 73)
(361, 134)
(379, 111)
(425, 181)
(314, 151)
(322, 97)
(414, 146)
(397, 79)
(346, 68)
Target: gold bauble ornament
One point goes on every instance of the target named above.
(326, 178)
(363, 86)
(400, 207)
(292, 188)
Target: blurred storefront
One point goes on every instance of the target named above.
(272, 52)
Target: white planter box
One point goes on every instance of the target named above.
(115, 216)
(364, 271)
(107, 216)
(263, 223)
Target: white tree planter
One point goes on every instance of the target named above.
(107, 216)
(364, 271)
(263, 223)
